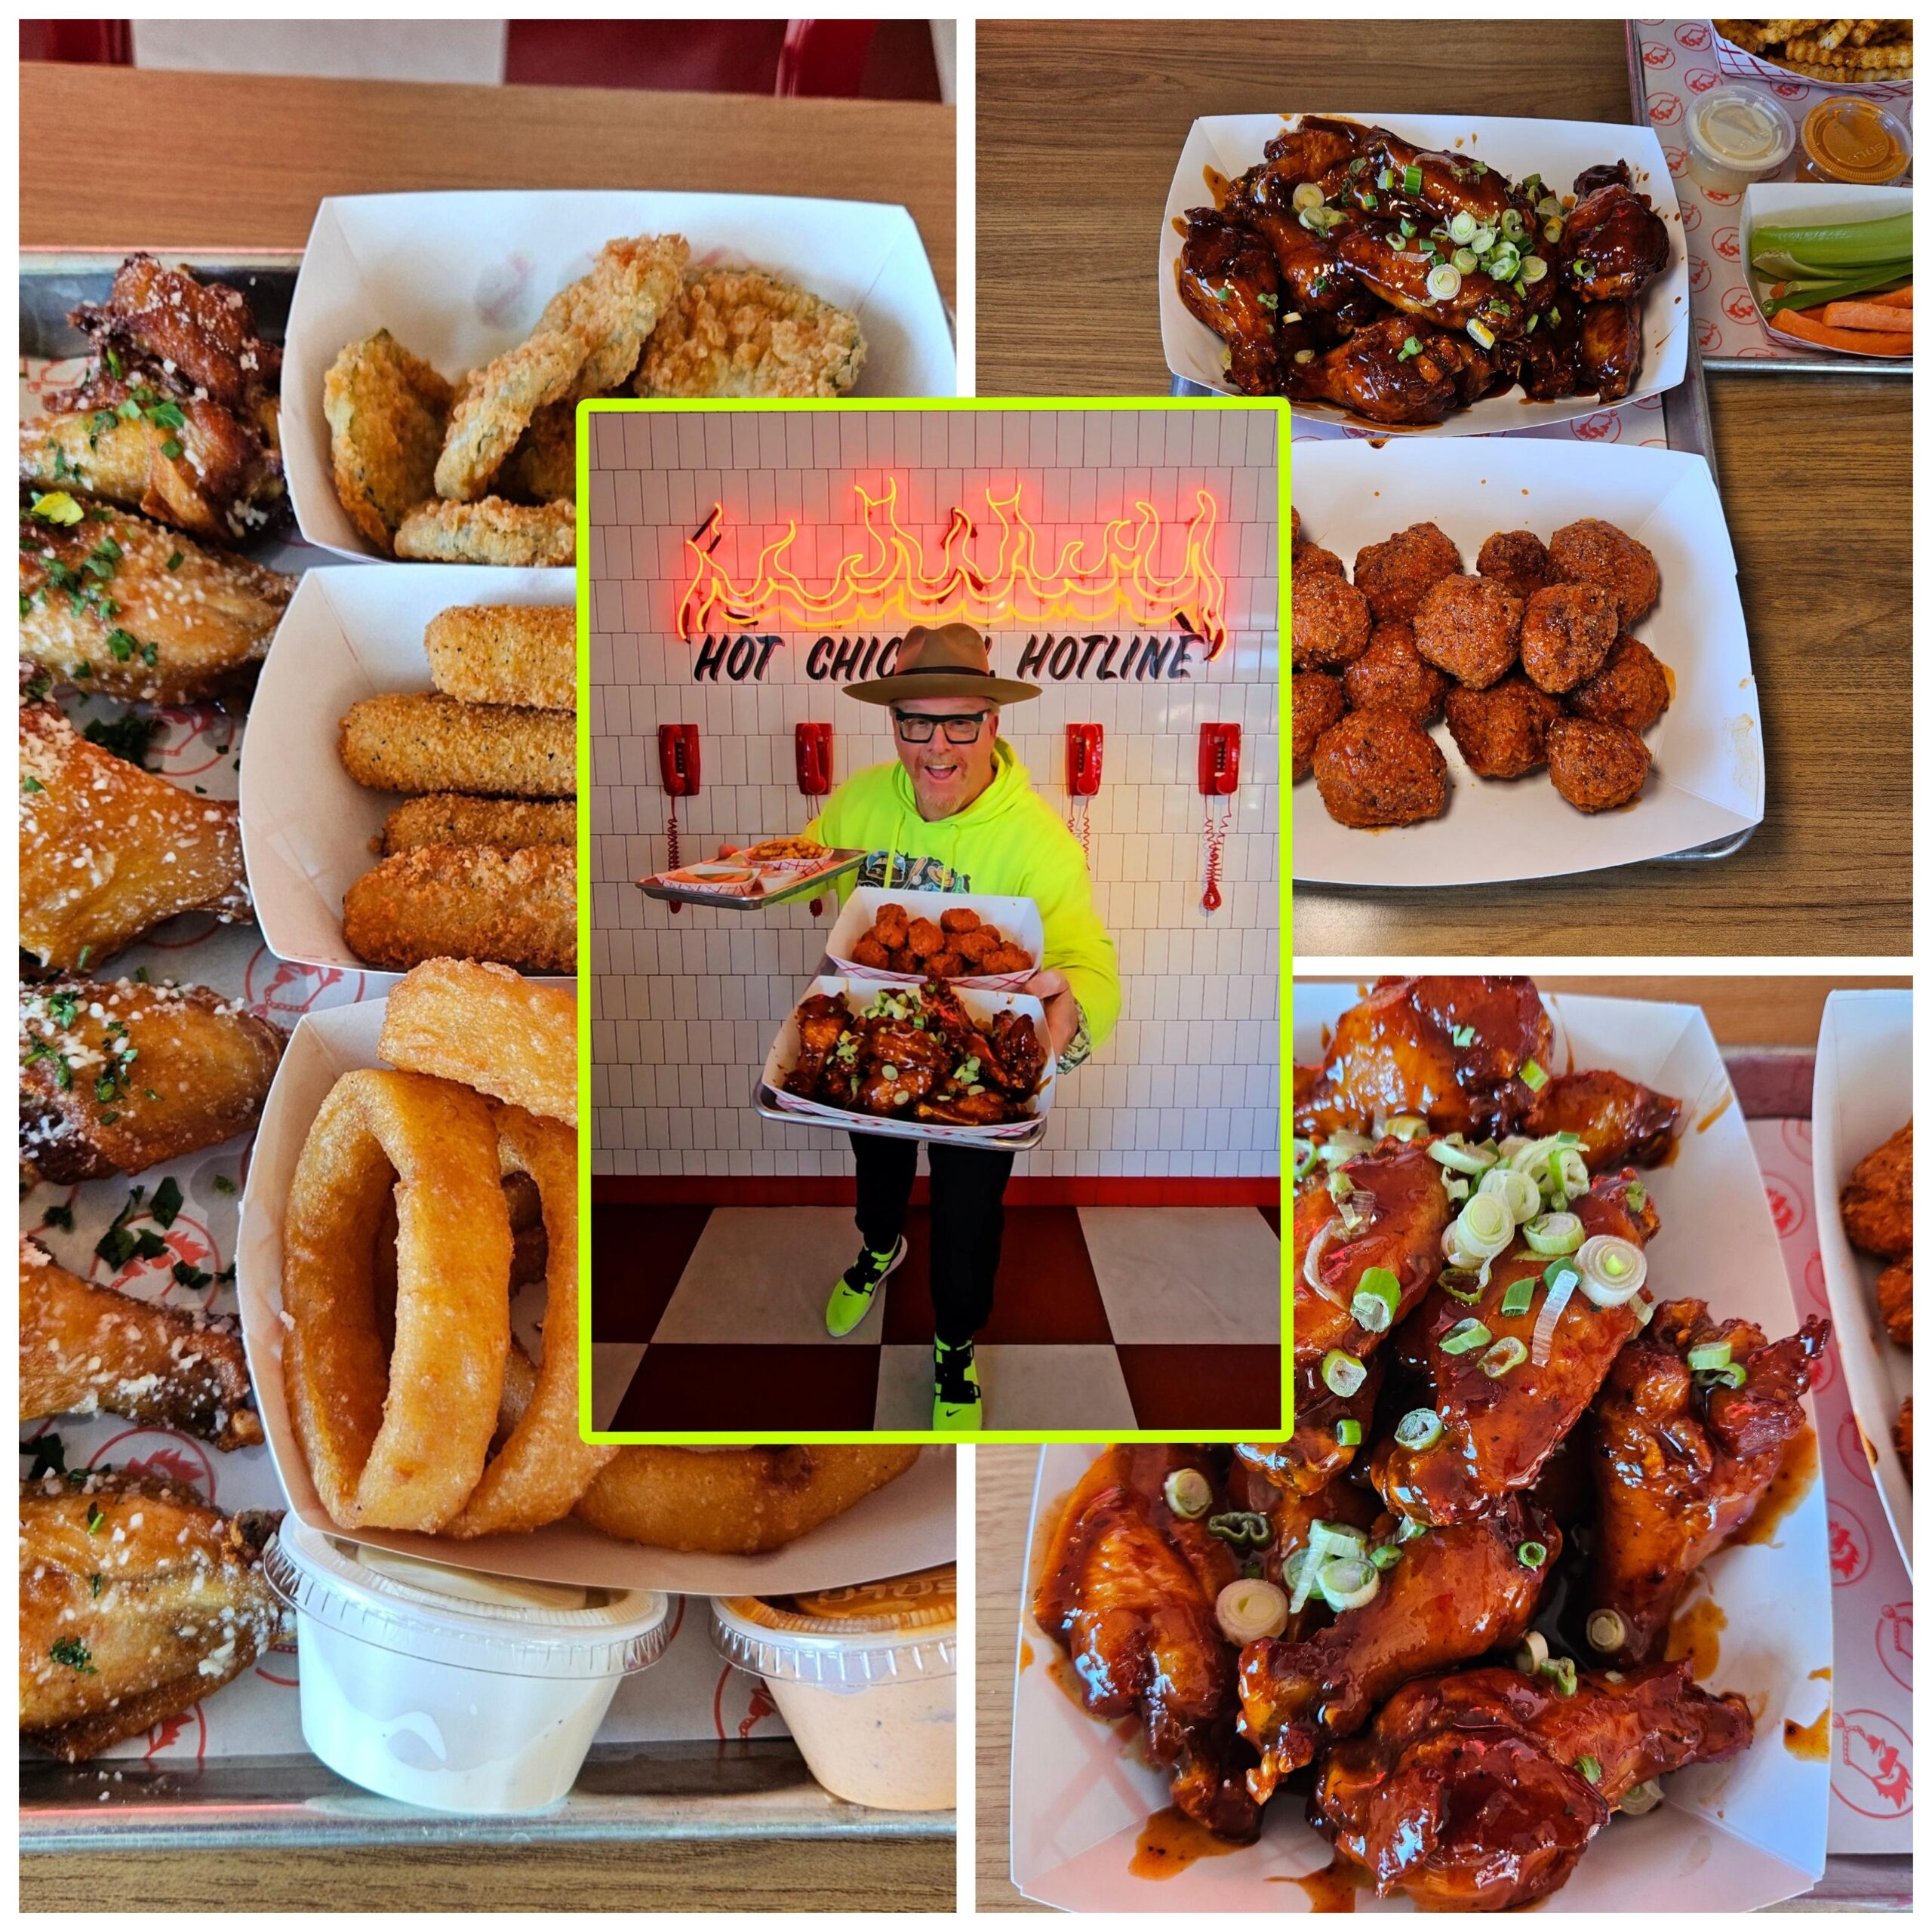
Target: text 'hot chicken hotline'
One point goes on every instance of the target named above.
(917, 772)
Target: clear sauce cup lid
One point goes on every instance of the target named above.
(896, 1628)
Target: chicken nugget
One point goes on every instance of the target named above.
(515, 535)
(1567, 631)
(1312, 560)
(867, 952)
(741, 332)
(924, 938)
(452, 818)
(1894, 1292)
(889, 924)
(388, 412)
(506, 653)
(411, 741)
(1501, 731)
(1397, 575)
(1632, 688)
(975, 945)
(1315, 701)
(1517, 559)
(1007, 958)
(1330, 624)
(900, 960)
(1391, 673)
(958, 919)
(466, 902)
(1595, 766)
(1591, 551)
(1876, 1202)
(1468, 626)
(1380, 768)
(946, 965)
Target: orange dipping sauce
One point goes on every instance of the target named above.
(1844, 139)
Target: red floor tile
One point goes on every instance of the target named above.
(772, 1389)
(1045, 1292)
(1271, 1214)
(636, 1256)
(1185, 1387)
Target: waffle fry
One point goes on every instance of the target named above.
(1826, 49)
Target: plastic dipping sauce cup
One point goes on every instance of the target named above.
(865, 1679)
(448, 1688)
(1735, 136)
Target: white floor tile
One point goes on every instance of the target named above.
(1069, 1386)
(764, 1275)
(1186, 1274)
(612, 1366)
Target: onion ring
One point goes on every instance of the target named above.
(401, 1450)
(737, 1502)
(545, 1465)
(488, 1028)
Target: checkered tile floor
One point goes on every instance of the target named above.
(1106, 1318)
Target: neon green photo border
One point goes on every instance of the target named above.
(586, 411)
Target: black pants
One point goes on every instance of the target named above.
(968, 1184)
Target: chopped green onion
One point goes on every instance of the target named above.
(1188, 1493)
(1307, 195)
(1420, 1428)
(1484, 1227)
(1347, 1583)
(1250, 1609)
(1348, 1432)
(1641, 1799)
(1408, 1126)
(1553, 230)
(1342, 1374)
(1534, 268)
(1444, 282)
(1377, 1296)
(1612, 1269)
(1518, 1297)
(1606, 1630)
(1590, 1769)
(1304, 1158)
(1533, 1654)
(1563, 1670)
(1553, 1234)
(1466, 1335)
(1731, 1376)
(1412, 179)
(1504, 1356)
(1385, 1555)
(1463, 227)
(1710, 1354)
(1534, 1078)
(1452, 1151)
(1515, 1190)
(1482, 337)
(1533, 1555)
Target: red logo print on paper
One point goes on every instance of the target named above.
(1666, 110)
(194, 738)
(1739, 306)
(1725, 242)
(1707, 336)
(1692, 217)
(1871, 1763)
(1601, 428)
(1700, 272)
(1657, 55)
(1701, 80)
(1892, 1641)
(184, 1735)
(1694, 35)
(1850, 1547)
(281, 991)
(160, 1452)
(1721, 197)
(1787, 1211)
(187, 1243)
(1676, 160)
(1814, 1280)
(1789, 89)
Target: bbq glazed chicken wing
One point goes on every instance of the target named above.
(1382, 260)
(1317, 1450)
(137, 1600)
(1472, 1790)
(1227, 277)
(1427, 185)
(1499, 1428)
(1452, 1594)
(1615, 1120)
(1376, 374)
(1682, 1460)
(1129, 1588)
(85, 1350)
(824, 1020)
(1610, 348)
(1614, 243)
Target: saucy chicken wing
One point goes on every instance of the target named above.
(1616, 1120)
(1227, 277)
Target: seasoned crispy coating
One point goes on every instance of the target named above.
(87, 1350)
(108, 850)
(450, 818)
(1568, 630)
(1902, 1437)
(1517, 559)
(1311, 560)
(506, 653)
(388, 412)
(1380, 768)
(1315, 702)
(741, 332)
(466, 902)
(1596, 767)
(199, 336)
(1007, 958)
(902, 959)
(946, 965)
(586, 341)
(137, 1600)
(1876, 1202)
(1895, 1301)
(1329, 623)
(118, 604)
(117, 1075)
(515, 536)
(889, 922)
(1468, 626)
(1630, 689)
(1591, 551)
(975, 944)
(422, 741)
(484, 1026)
(1392, 672)
(1501, 732)
(958, 919)
(1397, 575)
(868, 952)
(542, 467)
(924, 938)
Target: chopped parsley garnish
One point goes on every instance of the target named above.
(123, 645)
(97, 1519)
(129, 736)
(190, 1276)
(167, 1202)
(71, 1652)
(175, 562)
(59, 1215)
(223, 1185)
(50, 1456)
(31, 783)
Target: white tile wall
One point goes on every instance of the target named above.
(684, 1007)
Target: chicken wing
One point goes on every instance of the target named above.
(137, 1600)
(85, 1349)
(1616, 1120)
(118, 1076)
(108, 850)
(1614, 243)
(111, 602)
(201, 335)
(824, 1020)
(1226, 276)
(1480, 1789)
(1682, 1459)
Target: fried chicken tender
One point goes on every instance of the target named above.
(452, 818)
(741, 332)
(484, 1026)
(587, 340)
(137, 1600)
(86, 1349)
(422, 741)
(168, 622)
(388, 412)
(506, 653)
(542, 467)
(515, 536)
(117, 1076)
(1895, 1301)
(1876, 1202)
(108, 850)
(466, 902)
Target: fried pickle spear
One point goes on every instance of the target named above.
(422, 741)
(111, 602)
(108, 850)
(483, 1027)
(118, 1075)
(137, 1600)
(467, 902)
(505, 653)
(515, 535)
(453, 818)
(388, 412)
(85, 1349)
(741, 332)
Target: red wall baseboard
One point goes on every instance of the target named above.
(834, 1191)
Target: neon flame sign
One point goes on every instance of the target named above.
(890, 577)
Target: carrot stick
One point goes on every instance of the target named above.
(1855, 315)
(1899, 298)
(1807, 327)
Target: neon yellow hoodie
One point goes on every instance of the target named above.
(1007, 842)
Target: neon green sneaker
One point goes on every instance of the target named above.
(852, 1299)
(957, 1402)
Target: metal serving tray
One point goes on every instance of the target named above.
(766, 1102)
(846, 859)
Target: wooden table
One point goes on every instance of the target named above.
(224, 160)
(1079, 125)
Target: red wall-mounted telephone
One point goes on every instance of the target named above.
(1220, 760)
(812, 743)
(1083, 760)
(678, 759)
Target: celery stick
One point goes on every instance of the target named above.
(1815, 293)
(1844, 243)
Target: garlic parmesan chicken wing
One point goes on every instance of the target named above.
(113, 603)
(86, 1349)
(201, 334)
(119, 1075)
(1689, 1429)
(137, 1600)
(107, 850)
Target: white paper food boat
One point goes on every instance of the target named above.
(1017, 919)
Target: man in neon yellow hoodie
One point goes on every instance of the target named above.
(958, 814)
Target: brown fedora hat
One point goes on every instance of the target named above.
(949, 661)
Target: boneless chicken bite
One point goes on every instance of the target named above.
(1396, 575)
(958, 919)
(975, 945)
(924, 938)
(866, 951)
(1330, 624)
(1380, 768)
(1517, 560)
(1311, 560)
(1567, 631)
(1501, 732)
(1596, 767)
(1630, 689)
(1468, 627)
(1315, 702)
(1392, 674)
(946, 965)
(1007, 959)
(889, 923)
(1591, 551)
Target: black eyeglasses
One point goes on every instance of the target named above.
(961, 727)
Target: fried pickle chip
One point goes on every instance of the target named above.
(542, 467)
(388, 412)
(741, 332)
(492, 531)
